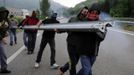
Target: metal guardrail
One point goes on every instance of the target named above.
(79, 26)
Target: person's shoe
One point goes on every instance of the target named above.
(30, 52)
(26, 48)
(60, 72)
(55, 66)
(36, 65)
(11, 44)
(5, 71)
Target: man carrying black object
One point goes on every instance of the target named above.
(48, 37)
(86, 46)
(72, 42)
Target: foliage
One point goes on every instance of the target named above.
(120, 9)
(87, 3)
(129, 27)
(44, 6)
(116, 8)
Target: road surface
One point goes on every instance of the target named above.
(116, 55)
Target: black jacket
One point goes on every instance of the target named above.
(49, 34)
(86, 42)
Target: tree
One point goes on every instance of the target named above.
(44, 6)
(120, 9)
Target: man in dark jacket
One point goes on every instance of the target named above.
(3, 34)
(48, 37)
(84, 45)
(72, 42)
(89, 43)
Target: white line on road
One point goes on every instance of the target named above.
(121, 31)
(11, 58)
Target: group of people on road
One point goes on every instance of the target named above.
(80, 45)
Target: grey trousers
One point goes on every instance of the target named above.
(3, 58)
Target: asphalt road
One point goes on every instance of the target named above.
(116, 56)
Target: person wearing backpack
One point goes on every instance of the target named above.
(12, 31)
(31, 21)
(3, 40)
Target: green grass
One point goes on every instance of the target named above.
(129, 27)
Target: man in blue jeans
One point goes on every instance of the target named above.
(25, 33)
(87, 45)
(12, 31)
(88, 48)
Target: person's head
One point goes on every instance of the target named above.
(54, 16)
(34, 14)
(83, 13)
(94, 12)
(11, 16)
(3, 13)
(27, 16)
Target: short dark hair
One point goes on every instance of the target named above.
(82, 10)
(95, 6)
(54, 15)
(3, 13)
(11, 16)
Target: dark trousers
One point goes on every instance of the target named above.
(43, 44)
(31, 40)
(74, 58)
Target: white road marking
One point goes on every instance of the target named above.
(121, 31)
(11, 58)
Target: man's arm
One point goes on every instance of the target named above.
(101, 35)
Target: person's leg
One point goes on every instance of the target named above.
(33, 41)
(40, 52)
(29, 42)
(74, 57)
(11, 37)
(87, 63)
(3, 57)
(15, 37)
(3, 60)
(25, 39)
(52, 58)
(64, 68)
(52, 48)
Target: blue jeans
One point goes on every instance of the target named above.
(25, 39)
(3, 58)
(87, 63)
(13, 38)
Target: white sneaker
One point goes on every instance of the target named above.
(36, 65)
(54, 66)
